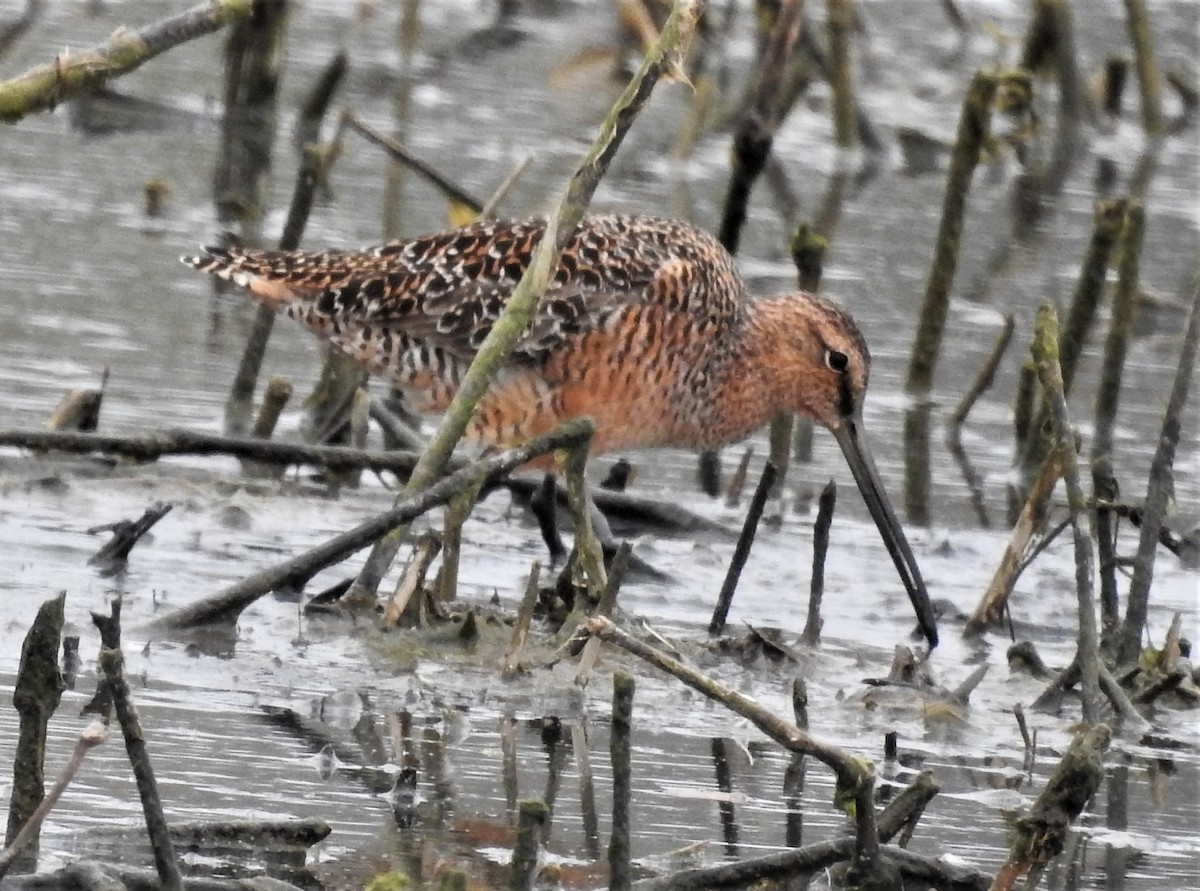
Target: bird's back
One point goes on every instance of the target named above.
(632, 298)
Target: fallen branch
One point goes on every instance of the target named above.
(70, 74)
(227, 604)
(158, 444)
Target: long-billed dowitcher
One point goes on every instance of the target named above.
(647, 328)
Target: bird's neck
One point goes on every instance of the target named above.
(746, 382)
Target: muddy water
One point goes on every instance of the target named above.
(87, 282)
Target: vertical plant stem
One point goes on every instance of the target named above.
(1120, 326)
(1045, 354)
(531, 817)
(621, 753)
(112, 663)
(1149, 80)
(1158, 490)
(974, 124)
(825, 506)
(741, 552)
(840, 23)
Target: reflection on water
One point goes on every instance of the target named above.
(296, 719)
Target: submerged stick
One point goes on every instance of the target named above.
(1158, 489)
(974, 124)
(741, 552)
(521, 306)
(43, 87)
(621, 754)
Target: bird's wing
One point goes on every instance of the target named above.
(448, 289)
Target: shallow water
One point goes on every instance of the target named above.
(87, 282)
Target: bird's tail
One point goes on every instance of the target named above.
(251, 270)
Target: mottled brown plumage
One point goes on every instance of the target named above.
(647, 328)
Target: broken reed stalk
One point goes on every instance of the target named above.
(1120, 327)
(741, 552)
(621, 755)
(531, 817)
(516, 646)
(457, 512)
(1159, 487)
(991, 606)
(974, 124)
(399, 153)
(608, 602)
(825, 506)
(490, 206)
(572, 464)
(404, 606)
(986, 376)
(112, 664)
(36, 693)
(522, 304)
(1045, 355)
(241, 392)
(275, 398)
(90, 737)
(72, 73)
(227, 604)
(839, 22)
(1040, 836)
(1149, 79)
(855, 777)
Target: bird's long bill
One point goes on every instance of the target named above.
(854, 445)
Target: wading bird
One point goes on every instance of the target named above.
(646, 327)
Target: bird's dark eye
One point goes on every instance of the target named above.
(836, 361)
